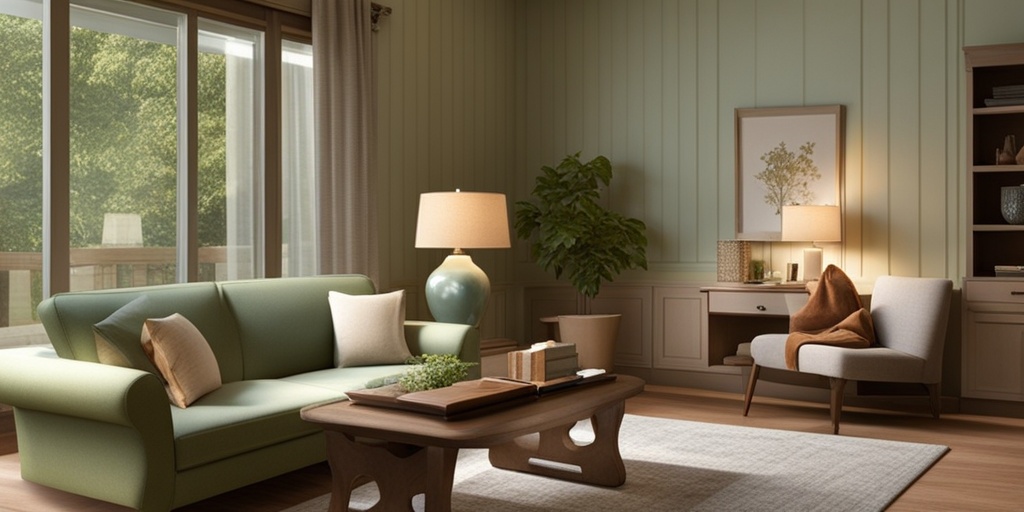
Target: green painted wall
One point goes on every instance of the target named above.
(479, 94)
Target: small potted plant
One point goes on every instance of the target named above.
(573, 234)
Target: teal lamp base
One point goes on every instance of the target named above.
(457, 291)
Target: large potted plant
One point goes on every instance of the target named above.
(574, 235)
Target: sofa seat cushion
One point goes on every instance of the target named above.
(242, 417)
(342, 380)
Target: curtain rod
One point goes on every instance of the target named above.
(376, 12)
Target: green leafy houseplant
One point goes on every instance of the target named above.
(575, 234)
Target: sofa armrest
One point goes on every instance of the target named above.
(93, 391)
(443, 338)
(77, 418)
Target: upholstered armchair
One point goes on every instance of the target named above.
(909, 315)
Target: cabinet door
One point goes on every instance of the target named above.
(994, 355)
(680, 328)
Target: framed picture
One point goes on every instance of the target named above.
(785, 156)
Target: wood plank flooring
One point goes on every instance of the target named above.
(984, 471)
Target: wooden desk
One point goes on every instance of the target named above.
(416, 453)
(738, 312)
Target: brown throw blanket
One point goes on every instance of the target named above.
(833, 315)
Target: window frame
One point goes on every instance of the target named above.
(276, 26)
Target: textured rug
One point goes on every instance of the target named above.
(675, 465)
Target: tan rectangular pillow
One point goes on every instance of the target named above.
(183, 356)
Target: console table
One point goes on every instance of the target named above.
(739, 312)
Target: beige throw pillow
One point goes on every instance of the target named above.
(183, 356)
(369, 329)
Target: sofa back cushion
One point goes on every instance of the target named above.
(286, 323)
(69, 319)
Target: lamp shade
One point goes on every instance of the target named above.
(811, 223)
(462, 220)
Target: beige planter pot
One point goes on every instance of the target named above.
(594, 336)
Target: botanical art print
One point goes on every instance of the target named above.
(787, 177)
(785, 156)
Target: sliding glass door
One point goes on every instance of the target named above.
(139, 210)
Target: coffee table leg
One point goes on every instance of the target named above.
(400, 471)
(600, 462)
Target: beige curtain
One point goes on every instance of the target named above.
(346, 132)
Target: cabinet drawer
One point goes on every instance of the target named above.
(994, 291)
(755, 303)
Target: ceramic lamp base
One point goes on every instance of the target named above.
(457, 291)
(812, 264)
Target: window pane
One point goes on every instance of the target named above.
(298, 194)
(124, 160)
(230, 141)
(21, 162)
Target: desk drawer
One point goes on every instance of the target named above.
(994, 291)
(755, 303)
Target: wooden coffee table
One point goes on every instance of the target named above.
(408, 453)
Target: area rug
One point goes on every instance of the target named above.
(675, 465)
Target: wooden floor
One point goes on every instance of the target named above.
(984, 471)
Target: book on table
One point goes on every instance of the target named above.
(543, 362)
(458, 400)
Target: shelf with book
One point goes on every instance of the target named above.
(995, 124)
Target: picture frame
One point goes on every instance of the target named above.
(781, 135)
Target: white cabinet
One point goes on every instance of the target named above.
(993, 347)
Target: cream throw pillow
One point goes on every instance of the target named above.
(368, 329)
(183, 356)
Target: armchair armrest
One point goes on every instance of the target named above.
(443, 338)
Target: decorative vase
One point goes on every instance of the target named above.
(1008, 156)
(1011, 204)
(1020, 156)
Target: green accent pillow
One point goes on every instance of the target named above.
(119, 336)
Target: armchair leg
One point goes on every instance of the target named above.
(836, 406)
(935, 399)
(754, 370)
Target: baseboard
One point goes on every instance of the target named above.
(992, 407)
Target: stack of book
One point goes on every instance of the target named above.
(1005, 95)
(1009, 271)
(543, 362)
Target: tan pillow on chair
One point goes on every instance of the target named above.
(183, 356)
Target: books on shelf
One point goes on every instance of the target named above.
(1009, 271)
(1006, 95)
(1003, 102)
(1008, 91)
(543, 362)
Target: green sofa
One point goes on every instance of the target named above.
(110, 432)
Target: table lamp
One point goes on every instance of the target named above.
(811, 223)
(457, 291)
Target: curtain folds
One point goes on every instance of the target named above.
(346, 132)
